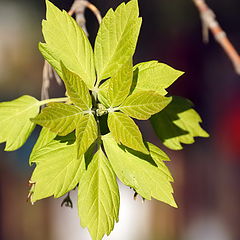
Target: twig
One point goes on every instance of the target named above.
(95, 11)
(46, 80)
(48, 74)
(210, 23)
(79, 7)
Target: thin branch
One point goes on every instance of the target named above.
(95, 11)
(53, 100)
(210, 23)
(46, 80)
(79, 7)
(48, 74)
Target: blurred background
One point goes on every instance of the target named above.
(206, 173)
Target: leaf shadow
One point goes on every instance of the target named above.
(163, 122)
(142, 156)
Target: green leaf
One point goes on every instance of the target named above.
(45, 137)
(156, 157)
(125, 131)
(76, 89)
(62, 119)
(98, 197)
(115, 90)
(59, 118)
(116, 39)
(142, 104)
(155, 76)
(86, 132)
(159, 158)
(15, 121)
(147, 180)
(178, 123)
(58, 170)
(120, 84)
(66, 41)
(103, 94)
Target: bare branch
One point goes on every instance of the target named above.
(78, 8)
(95, 11)
(210, 23)
(46, 80)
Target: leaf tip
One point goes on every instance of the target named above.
(49, 4)
(205, 134)
(174, 204)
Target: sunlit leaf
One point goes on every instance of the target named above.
(98, 197)
(86, 132)
(67, 42)
(125, 131)
(103, 94)
(159, 158)
(15, 124)
(58, 170)
(155, 76)
(76, 89)
(59, 118)
(120, 84)
(116, 39)
(147, 180)
(142, 104)
(45, 137)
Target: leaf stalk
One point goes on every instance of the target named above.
(52, 100)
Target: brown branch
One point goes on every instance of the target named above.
(79, 7)
(48, 74)
(95, 11)
(210, 23)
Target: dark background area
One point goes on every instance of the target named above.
(206, 173)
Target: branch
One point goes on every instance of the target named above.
(47, 75)
(79, 7)
(210, 23)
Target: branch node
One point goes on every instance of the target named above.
(209, 22)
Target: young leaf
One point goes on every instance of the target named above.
(156, 158)
(125, 131)
(159, 157)
(45, 137)
(67, 42)
(120, 84)
(103, 94)
(155, 76)
(76, 89)
(142, 104)
(116, 39)
(115, 90)
(86, 132)
(59, 118)
(98, 197)
(178, 123)
(147, 180)
(15, 121)
(58, 170)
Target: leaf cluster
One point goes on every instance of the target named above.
(89, 138)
